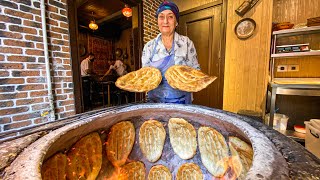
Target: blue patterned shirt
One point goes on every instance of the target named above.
(184, 52)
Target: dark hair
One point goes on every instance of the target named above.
(91, 54)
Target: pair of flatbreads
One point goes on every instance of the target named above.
(180, 77)
(83, 161)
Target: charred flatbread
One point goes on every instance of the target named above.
(189, 171)
(159, 172)
(151, 139)
(85, 158)
(133, 171)
(182, 138)
(55, 167)
(188, 79)
(243, 153)
(213, 150)
(142, 80)
(120, 142)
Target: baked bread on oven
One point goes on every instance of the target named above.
(182, 138)
(189, 171)
(85, 158)
(159, 172)
(132, 171)
(120, 142)
(243, 153)
(151, 139)
(213, 150)
(142, 80)
(55, 167)
(188, 79)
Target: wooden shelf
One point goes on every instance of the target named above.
(298, 31)
(296, 54)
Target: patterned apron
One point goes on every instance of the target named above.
(164, 93)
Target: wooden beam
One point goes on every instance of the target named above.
(113, 16)
(131, 2)
(80, 2)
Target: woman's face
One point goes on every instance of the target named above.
(167, 22)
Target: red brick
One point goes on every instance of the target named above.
(70, 96)
(67, 114)
(69, 108)
(29, 101)
(16, 110)
(32, 24)
(8, 19)
(69, 73)
(17, 125)
(11, 81)
(65, 103)
(10, 50)
(52, 9)
(26, 116)
(6, 88)
(66, 37)
(10, 35)
(39, 46)
(41, 120)
(4, 104)
(38, 18)
(36, 66)
(13, 96)
(5, 120)
(34, 38)
(64, 25)
(66, 49)
(9, 4)
(58, 4)
(58, 17)
(11, 66)
(52, 22)
(30, 87)
(18, 14)
(10, 42)
(4, 73)
(25, 73)
(29, 9)
(40, 107)
(59, 54)
(61, 97)
(22, 29)
(67, 90)
(38, 93)
(35, 52)
(1, 57)
(21, 58)
(54, 35)
(59, 30)
(60, 42)
(54, 48)
(59, 110)
(26, 2)
(36, 80)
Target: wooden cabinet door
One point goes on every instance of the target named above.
(203, 27)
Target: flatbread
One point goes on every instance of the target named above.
(142, 80)
(120, 142)
(55, 167)
(186, 78)
(151, 139)
(182, 138)
(85, 158)
(213, 150)
(243, 152)
(133, 171)
(159, 172)
(189, 171)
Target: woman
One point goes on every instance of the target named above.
(167, 49)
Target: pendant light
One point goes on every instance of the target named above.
(127, 11)
(93, 24)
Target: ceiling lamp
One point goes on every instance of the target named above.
(127, 11)
(93, 24)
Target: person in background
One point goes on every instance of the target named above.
(86, 72)
(167, 49)
(118, 66)
(87, 65)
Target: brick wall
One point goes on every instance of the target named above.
(150, 25)
(23, 88)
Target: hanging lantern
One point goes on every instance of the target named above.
(127, 11)
(93, 24)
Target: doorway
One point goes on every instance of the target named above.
(203, 25)
(115, 32)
